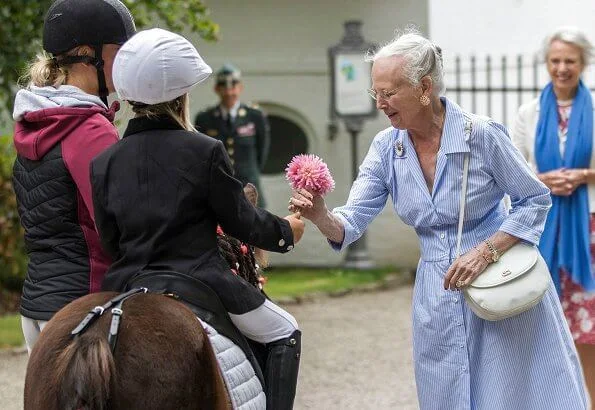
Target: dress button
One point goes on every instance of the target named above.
(281, 242)
(462, 346)
(290, 247)
(455, 300)
(442, 235)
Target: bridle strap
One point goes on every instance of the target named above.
(97, 311)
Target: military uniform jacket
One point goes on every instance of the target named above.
(159, 194)
(246, 141)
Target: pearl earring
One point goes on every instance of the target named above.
(424, 100)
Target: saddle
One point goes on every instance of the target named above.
(203, 302)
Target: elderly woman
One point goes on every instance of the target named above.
(461, 361)
(555, 134)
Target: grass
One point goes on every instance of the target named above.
(286, 283)
(282, 283)
(10, 331)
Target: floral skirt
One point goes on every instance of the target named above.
(578, 305)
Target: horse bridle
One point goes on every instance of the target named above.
(116, 308)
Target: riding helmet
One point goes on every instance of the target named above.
(157, 66)
(72, 23)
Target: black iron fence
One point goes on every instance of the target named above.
(497, 86)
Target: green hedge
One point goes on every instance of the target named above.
(13, 257)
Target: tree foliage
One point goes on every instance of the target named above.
(12, 249)
(22, 24)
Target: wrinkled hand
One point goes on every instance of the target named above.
(297, 226)
(562, 182)
(575, 177)
(464, 270)
(310, 206)
(556, 181)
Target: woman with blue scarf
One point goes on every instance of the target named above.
(555, 133)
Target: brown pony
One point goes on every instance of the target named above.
(163, 359)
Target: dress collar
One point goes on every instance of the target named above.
(454, 136)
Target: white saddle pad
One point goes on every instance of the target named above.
(244, 387)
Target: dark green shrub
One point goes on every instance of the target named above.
(13, 257)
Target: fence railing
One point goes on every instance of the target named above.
(497, 86)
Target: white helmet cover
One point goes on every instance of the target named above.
(157, 66)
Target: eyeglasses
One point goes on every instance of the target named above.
(382, 94)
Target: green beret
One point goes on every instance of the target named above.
(228, 75)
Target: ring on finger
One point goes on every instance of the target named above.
(460, 283)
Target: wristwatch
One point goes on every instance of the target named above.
(493, 250)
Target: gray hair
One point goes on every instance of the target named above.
(422, 57)
(571, 35)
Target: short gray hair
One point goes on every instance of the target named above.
(571, 35)
(422, 57)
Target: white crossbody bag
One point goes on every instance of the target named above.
(513, 284)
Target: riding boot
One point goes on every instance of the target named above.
(281, 371)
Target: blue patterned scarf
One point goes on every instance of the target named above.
(565, 241)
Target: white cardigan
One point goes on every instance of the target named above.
(523, 136)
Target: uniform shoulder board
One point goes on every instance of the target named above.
(255, 109)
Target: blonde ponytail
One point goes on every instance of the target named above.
(177, 109)
(45, 72)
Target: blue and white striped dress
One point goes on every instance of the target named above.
(461, 361)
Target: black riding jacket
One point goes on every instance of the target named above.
(159, 194)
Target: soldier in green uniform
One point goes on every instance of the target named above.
(244, 130)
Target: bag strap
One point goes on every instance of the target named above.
(462, 203)
(468, 128)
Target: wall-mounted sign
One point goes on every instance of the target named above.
(352, 79)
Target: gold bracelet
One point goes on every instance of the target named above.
(482, 255)
(495, 253)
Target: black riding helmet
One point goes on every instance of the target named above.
(72, 23)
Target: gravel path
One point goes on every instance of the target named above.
(356, 355)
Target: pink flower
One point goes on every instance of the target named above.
(309, 172)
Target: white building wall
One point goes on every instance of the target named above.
(281, 48)
(506, 27)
